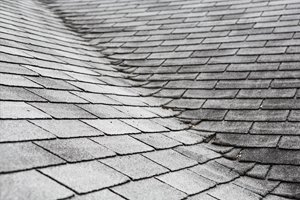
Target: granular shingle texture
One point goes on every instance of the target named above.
(156, 99)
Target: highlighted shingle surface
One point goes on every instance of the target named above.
(149, 99)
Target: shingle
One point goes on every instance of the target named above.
(264, 93)
(145, 125)
(243, 84)
(73, 150)
(231, 191)
(284, 173)
(198, 152)
(166, 55)
(185, 103)
(103, 194)
(261, 187)
(232, 59)
(50, 73)
(294, 115)
(170, 159)
(242, 140)
(185, 137)
(31, 185)
(135, 166)
(15, 69)
(123, 144)
(237, 166)
(187, 181)
(203, 114)
(63, 111)
(16, 80)
(224, 126)
(266, 37)
(225, 39)
(253, 67)
(53, 83)
(291, 190)
(85, 177)
(213, 94)
(232, 104)
(18, 94)
(104, 111)
(67, 128)
(157, 140)
(215, 172)
(57, 96)
(150, 189)
(112, 127)
(257, 115)
(20, 110)
(136, 112)
(22, 156)
(276, 128)
(223, 76)
(259, 171)
(21, 130)
(282, 104)
(271, 156)
(202, 196)
(289, 142)
(286, 83)
(184, 61)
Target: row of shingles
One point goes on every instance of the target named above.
(42, 157)
(279, 169)
(131, 195)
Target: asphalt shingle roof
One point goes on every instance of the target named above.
(147, 99)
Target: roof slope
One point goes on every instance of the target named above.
(83, 84)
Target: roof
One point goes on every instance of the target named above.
(156, 99)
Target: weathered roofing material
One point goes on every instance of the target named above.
(94, 95)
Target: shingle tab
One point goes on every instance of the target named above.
(86, 177)
(31, 185)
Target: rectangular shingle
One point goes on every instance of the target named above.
(31, 185)
(17, 80)
(63, 111)
(18, 94)
(21, 130)
(122, 144)
(67, 128)
(86, 177)
(135, 166)
(112, 127)
(187, 181)
(20, 110)
(170, 159)
(149, 189)
(22, 156)
(74, 150)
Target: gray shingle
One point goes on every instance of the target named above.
(31, 185)
(85, 177)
